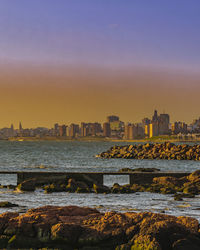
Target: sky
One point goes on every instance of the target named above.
(72, 60)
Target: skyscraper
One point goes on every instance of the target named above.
(155, 116)
(62, 130)
(20, 127)
(106, 129)
(112, 118)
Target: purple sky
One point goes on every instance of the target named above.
(114, 33)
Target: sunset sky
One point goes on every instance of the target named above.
(80, 60)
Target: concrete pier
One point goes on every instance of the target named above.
(91, 177)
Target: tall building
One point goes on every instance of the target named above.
(74, 130)
(106, 129)
(95, 128)
(112, 118)
(147, 130)
(153, 129)
(56, 129)
(62, 130)
(129, 131)
(158, 126)
(146, 121)
(133, 131)
(84, 129)
(12, 131)
(12, 127)
(155, 116)
(90, 129)
(195, 126)
(179, 127)
(20, 127)
(163, 124)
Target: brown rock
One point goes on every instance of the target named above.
(167, 180)
(28, 185)
(85, 228)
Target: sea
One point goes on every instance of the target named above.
(79, 156)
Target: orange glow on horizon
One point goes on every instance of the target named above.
(38, 97)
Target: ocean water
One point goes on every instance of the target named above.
(80, 156)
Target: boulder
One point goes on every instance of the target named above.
(166, 150)
(72, 227)
(101, 189)
(71, 186)
(167, 180)
(129, 170)
(27, 185)
(4, 204)
(54, 188)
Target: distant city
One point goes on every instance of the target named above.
(113, 127)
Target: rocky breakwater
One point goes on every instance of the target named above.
(86, 228)
(167, 150)
(183, 187)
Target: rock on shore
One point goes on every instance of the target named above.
(85, 228)
(167, 150)
(183, 187)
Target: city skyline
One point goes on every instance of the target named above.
(113, 127)
(20, 123)
(69, 61)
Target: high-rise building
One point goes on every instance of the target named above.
(146, 121)
(12, 127)
(163, 124)
(62, 130)
(12, 131)
(179, 127)
(20, 127)
(133, 131)
(153, 129)
(74, 130)
(158, 126)
(95, 128)
(155, 116)
(112, 118)
(106, 129)
(90, 129)
(84, 129)
(147, 130)
(56, 129)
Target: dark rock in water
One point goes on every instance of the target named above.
(130, 170)
(167, 151)
(27, 185)
(115, 188)
(54, 188)
(167, 180)
(191, 189)
(11, 186)
(72, 187)
(76, 186)
(83, 190)
(85, 228)
(4, 204)
(101, 189)
(180, 196)
(187, 243)
(8, 186)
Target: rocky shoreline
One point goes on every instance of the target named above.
(167, 151)
(73, 227)
(182, 187)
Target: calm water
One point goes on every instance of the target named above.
(79, 156)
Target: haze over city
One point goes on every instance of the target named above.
(73, 61)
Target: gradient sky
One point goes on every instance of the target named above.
(73, 60)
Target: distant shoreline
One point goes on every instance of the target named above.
(97, 139)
